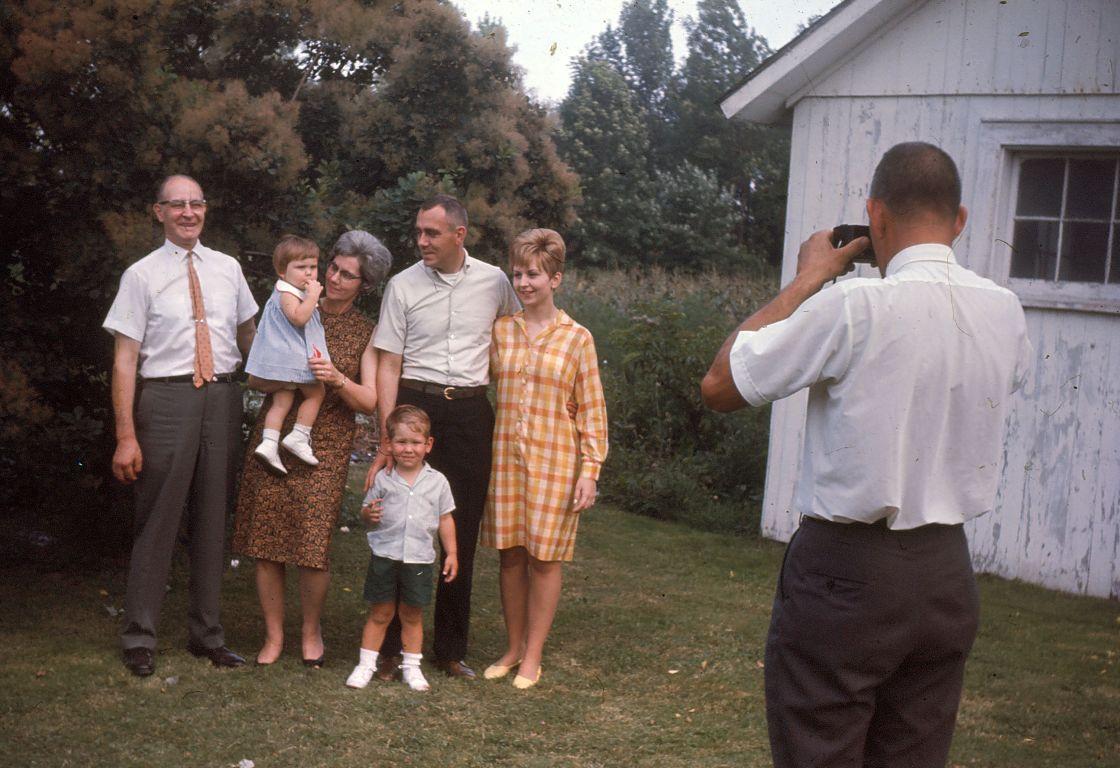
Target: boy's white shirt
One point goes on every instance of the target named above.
(410, 514)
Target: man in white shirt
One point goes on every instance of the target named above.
(434, 336)
(183, 320)
(910, 377)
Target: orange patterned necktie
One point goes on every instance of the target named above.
(203, 355)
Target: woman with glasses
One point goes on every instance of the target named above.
(288, 520)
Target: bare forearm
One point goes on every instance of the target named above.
(388, 384)
(124, 398)
(246, 332)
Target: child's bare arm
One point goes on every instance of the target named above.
(450, 547)
(299, 311)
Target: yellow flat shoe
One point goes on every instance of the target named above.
(521, 683)
(498, 671)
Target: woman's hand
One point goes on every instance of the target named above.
(584, 495)
(324, 371)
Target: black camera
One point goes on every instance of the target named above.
(842, 234)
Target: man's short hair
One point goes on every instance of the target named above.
(544, 245)
(292, 248)
(916, 177)
(410, 415)
(164, 181)
(454, 210)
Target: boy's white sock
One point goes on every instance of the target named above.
(303, 429)
(270, 434)
(410, 671)
(367, 658)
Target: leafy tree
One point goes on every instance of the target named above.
(752, 160)
(605, 139)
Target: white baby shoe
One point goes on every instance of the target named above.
(299, 445)
(269, 453)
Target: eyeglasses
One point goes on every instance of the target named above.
(334, 269)
(180, 205)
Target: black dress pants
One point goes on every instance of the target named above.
(462, 430)
(867, 645)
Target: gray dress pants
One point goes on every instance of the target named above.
(868, 640)
(190, 443)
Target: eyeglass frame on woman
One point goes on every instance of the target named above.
(333, 268)
(182, 205)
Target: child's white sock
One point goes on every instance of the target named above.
(363, 673)
(410, 671)
(270, 434)
(367, 658)
(303, 429)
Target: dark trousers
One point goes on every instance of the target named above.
(867, 645)
(189, 441)
(462, 430)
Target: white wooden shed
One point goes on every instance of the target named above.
(1025, 96)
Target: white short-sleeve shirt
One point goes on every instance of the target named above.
(409, 514)
(442, 328)
(153, 307)
(910, 379)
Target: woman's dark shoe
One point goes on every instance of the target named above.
(316, 663)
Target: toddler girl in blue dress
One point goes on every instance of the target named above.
(290, 333)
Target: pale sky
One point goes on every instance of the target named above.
(534, 25)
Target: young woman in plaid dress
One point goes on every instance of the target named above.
(549, 443)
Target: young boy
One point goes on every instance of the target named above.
(405, 506)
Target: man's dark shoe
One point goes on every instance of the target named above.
(389, 668)
(140, 661)
(456, 669)
(219, 657)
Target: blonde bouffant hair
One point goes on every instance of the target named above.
(543, 245)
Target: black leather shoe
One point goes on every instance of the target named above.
(456, 669)
(140, 661)
(219, 657)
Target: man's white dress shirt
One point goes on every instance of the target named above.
(153, 307)
(442, 328)
(910, 378)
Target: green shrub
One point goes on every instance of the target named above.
(656, 334)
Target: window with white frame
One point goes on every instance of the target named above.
(1067, 219)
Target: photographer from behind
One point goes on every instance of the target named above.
(909, 380)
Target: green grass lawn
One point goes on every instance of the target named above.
(655, 660)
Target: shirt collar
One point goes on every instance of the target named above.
(179, 252)
(561, 318)
(424, 470)
(938, 252)
(468, 261)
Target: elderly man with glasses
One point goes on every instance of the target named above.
(183, 320)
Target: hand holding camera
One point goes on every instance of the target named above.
(842, 234)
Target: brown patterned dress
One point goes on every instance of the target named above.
(290, 519)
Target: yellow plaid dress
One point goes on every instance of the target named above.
(539, 450)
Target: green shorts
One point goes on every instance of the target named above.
(386, 579)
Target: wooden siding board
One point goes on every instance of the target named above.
(976, 47)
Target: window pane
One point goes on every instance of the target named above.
(1035, 250)
(1090, 189)
(1040, 187)
(1084, 247)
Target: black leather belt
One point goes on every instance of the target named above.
(188, 378)
(444, 391)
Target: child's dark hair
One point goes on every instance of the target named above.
(410, 415)
(292, 248)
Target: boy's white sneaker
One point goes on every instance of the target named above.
(414, 678)
(269, 454)
(360, 677)
(299, 446)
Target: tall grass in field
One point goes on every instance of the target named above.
(656, 333)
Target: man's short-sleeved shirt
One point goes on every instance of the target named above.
(153, 307)
(909, 378)
(442, 329)
(409, 514)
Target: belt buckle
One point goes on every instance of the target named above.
(447, 393)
